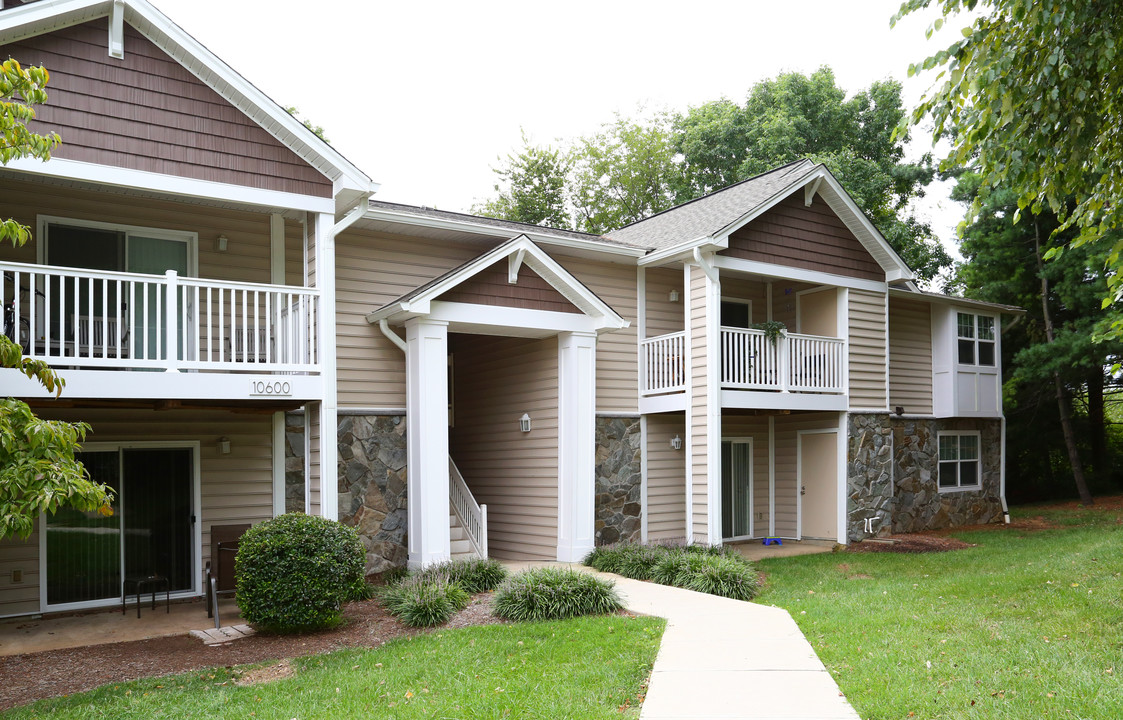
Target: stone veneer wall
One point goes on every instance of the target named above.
(892, 471)
(869, 475)
(618, 480)
(920, 505)
(372, 482)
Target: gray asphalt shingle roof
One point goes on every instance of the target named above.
(708, 214)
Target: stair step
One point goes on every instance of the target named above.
(457, 533)
(460, 546)
(463, 556)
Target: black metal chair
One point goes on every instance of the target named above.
(219, 573)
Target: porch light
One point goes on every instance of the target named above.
(221, 243)
(676, 443)
(224, 445)
(524, 422)
(673, 296)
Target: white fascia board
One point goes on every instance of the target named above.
(662, 403)
(461, 315)
(491, 230)
(684, 251)
(752, 400)
(171, 184)
(36, 18)
(786, 272)
(938, 299)
(103, 384)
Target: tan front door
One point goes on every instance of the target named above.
(818, 480)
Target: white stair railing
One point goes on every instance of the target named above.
(472, 516)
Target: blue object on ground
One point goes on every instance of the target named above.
(773, 541)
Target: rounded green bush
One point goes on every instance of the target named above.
(295, 571)
(554, 594)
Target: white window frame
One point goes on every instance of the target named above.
(739, 301)
(959, 461)
(975, 340)
(196, 531)
(190, 238)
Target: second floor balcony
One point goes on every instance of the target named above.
(750, 360)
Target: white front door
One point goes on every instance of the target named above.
(818, 482)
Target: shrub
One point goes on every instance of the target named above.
(393, 576)
(609, 558)
(639, 561)
(725, 576)
(672, 566)
(474, 575)
(553, 594)
(295, 571)
(424, 600)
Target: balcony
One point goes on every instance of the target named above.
(792, 363)
(93, 321)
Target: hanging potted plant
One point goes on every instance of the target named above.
(773, 329)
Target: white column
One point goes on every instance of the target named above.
(325, 337)
(577, 395)
(427, 441)
(279, 443)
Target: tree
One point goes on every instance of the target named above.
(531, 187)
(316, 129)
(38, 470)
(1051, 356)
(624, 173)
(1031, 96)
(794, 116)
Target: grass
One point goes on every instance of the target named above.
(581, 669)
(1028, 625)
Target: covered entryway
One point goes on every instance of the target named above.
(537, 310)
(818, 480)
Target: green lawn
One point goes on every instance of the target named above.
(1029, 624)
(583, 668)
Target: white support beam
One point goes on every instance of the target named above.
(809, 191)
(329, 445)
(514, 263)
(277, 249)
(279, 442)
(427, 441)
(117, 30)
(576, 444)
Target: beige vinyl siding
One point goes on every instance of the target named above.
(373, 269)
(19, 598)
(756, 428)
(514, 473)
(787, 479)
(235, 488)
(868, 330)
(910, 356)
(617, 371)
(666, 478)
(699, 420)
(663, 316)
(247, 257)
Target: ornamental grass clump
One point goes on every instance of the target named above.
(474, 575)
(424, 600)
(294, 572)
(554, 594)
(723, 575)
(714, 570)
(639, 561)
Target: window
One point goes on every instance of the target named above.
(959, 461)
(736, 313)
(976, 339)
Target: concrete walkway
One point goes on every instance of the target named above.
(723, 658)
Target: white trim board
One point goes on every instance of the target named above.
(816, 277)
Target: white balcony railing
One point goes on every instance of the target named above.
(94, 319)
(750, 361)
(661, 364)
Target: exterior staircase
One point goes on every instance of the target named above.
(467, 520)
(461, 548)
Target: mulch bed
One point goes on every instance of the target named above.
(33, 676)
(910, 543)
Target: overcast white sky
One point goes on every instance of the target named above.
(424, 96)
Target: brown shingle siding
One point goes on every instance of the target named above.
(811, 238)
(148, 112)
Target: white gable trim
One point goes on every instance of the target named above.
(533, 257)
(49, 15)
(821, 181)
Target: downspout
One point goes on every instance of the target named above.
(707, 268)
(394, 337)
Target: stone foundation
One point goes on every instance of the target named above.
(893, 470)
(372, 482)
(618, 480)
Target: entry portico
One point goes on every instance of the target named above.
(515, 290)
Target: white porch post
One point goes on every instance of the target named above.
(427, 441)
(577, 389)
(325, 337)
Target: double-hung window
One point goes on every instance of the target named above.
(975, 334)
(959, 461)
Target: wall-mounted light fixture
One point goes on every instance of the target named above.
(673, 296)
(221, 243)
(676, 443)
(224, 445)
(899, 410)
(524, 422)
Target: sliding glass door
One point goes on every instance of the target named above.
(151, 531)
(736, 489)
